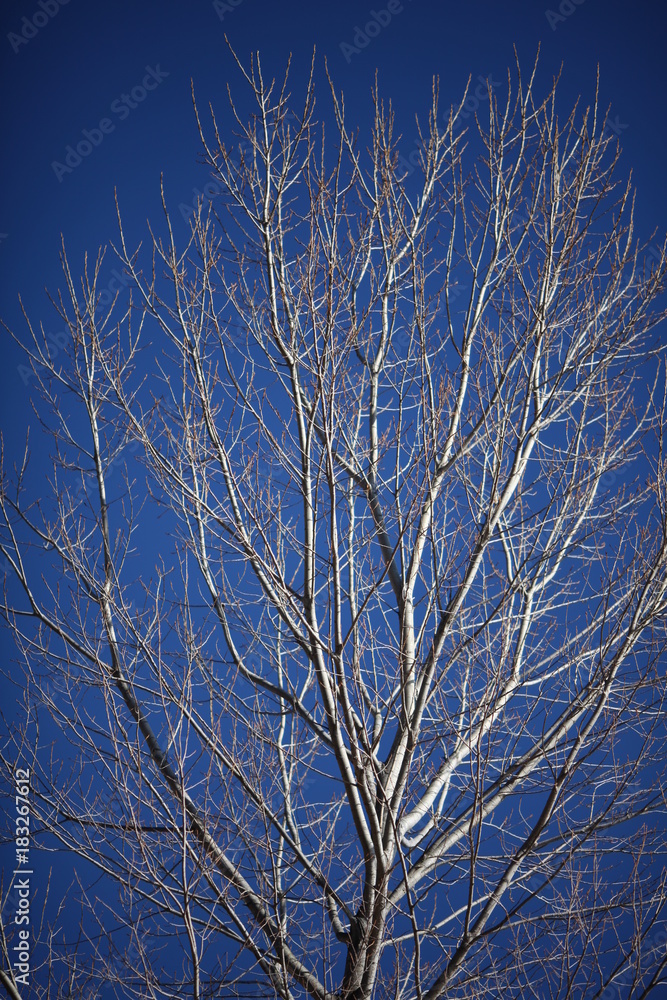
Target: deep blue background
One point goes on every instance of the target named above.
(66, 78)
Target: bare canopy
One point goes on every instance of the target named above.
(355, 683)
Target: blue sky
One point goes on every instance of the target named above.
(116, 78)
(63, 77)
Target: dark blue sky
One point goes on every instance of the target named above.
(69, 72)
(73, 71)
(120, 73)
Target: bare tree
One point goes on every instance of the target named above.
(354, 686)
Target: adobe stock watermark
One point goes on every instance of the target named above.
(215, 188)
(566, 9)
(87, 489)
(475, 97)
(56, 342)
(654, 945)
(121, 106)
(614, 127)
(210, 190)
(363, 36)
(413, 160)
(31, 26)
(222, 7)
